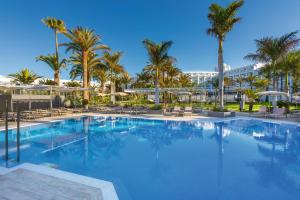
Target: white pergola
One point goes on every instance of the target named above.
(29, 97)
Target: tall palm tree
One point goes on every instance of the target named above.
(58, 26)
(272, 50)
(84, 41)
(222, 20)
(25, 76)
(112, 62)
(51, 60)
(158, 56)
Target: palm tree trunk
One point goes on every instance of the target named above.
(295, 83)
(156, 88)
(274, 77)
(85, 75)
(56, 77)
(56, 74)
(221, 73)
(112, 88)
(286, 88)
(112, 92)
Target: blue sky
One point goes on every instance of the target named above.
(123, 24)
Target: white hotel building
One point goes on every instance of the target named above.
(202, 77)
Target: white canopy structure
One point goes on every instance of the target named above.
(33, 93)
(273, 94)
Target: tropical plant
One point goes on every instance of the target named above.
(115, 69)
(73, 84)
(228, 82)
(261, 83)
(252, 96)
(250, 80)
(93, 62)
(272, 51)
(58, 26)
(158, 56)
(100, 74)
(125, 79)
(51, 61)
(239, 82)
(25, 76)
(47, 82)
(222, 20)
(143, 80)
(290, 64)
(84, 41)
(184, 80)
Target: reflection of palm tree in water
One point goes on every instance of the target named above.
(86, 123)
(219, 138)
(274, 171)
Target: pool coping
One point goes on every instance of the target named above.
(107, 188)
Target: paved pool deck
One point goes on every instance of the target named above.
(36, 182)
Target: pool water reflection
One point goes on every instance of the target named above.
(155, 159)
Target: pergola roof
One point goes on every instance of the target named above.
(43, 87)
(169, 90)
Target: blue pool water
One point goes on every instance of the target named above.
(168, 160)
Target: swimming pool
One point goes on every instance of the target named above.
(161, 160)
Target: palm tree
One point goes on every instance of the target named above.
(158, 56)
(239, 82)
(126, 79)
(227, 83)
(143, 80)
(296, 77)
(93, 61)
(100, 74)
(24, 77)
(184, 80)
(272, 50)
(112, 63)
(84, 41)
(250, 80)
(261, 83)
(58, 26)
(252, 96)
(290, 64)
(51, 60)
(222, 21)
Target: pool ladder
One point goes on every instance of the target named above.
(6, 156)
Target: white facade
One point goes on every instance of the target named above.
(244, 71)
(200, 77)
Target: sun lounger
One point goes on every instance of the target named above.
(166, 112)
(188, 111)
(263, 111)
(277, 113)
(176, 111)
(295, 114)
